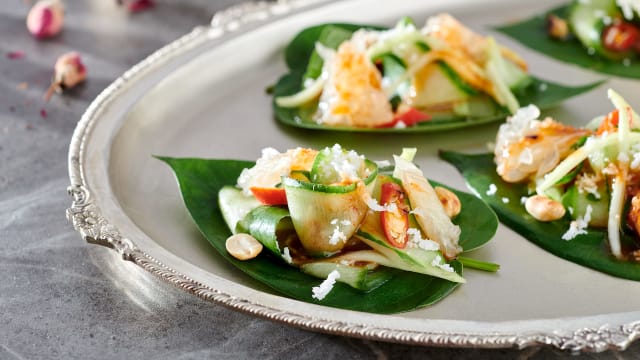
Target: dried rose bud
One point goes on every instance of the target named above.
(69, 71)
(45, 18)
(557, 27)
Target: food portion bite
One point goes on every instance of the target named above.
(573, 191)
(602, 35)
(344, 213)
(345, 76)
(365, 228)
(594, 173)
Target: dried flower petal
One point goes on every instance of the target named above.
(69, 71)
(137, 5)
(45, 19)
(14, 55)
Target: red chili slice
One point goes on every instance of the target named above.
(410, 117)
(621, 36)
(394, 220)
(269, 196)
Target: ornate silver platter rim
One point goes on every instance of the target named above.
(87, 218)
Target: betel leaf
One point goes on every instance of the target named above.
(589, 250)
(303, 62)
(201, 179)
(532, 33)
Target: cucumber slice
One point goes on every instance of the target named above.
(235, 205)
(503, 75)
(476, 107)
(359, 277)
(578, 202)
(332, 165)
(394, 69)
(436, 85)
(516, 78)
(268, 224)
(408, 259)
(587, 20)
(324, 216)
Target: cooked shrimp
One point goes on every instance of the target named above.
(272, 165)
(353, 94)
(528, 147)
(452, 32)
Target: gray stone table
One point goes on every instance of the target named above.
(61, 298)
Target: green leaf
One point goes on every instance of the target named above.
(302, 46)
(331, 37)
(302, 61)
(201, 179)
(532, 33)
(588, 250)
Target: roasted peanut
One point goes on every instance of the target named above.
(543, 208)
(557, 27)
(243, 246)
(449, 201)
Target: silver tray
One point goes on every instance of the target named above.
(204, 96)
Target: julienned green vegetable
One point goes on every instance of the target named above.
(580, 188)
(438, 77)
(602, 35)
(363, 264)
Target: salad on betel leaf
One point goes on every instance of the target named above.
(332, 227)
(405, 79)
(573, 191)
(600, 35)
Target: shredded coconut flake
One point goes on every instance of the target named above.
(492, 190)
(588, 183)
(337, 236)
(321, 291)
(579, 225)
(416, 240)
(383, 163)
(437, 262)
(516, 126)
(373, 205)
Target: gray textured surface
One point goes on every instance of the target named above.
(63, 298)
